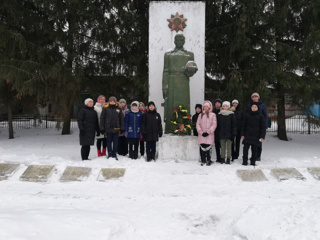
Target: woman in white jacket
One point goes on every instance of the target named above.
(101, 140)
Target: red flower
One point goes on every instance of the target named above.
(179, 130)
(175, 111)
(188, 117)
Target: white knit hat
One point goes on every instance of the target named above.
(226, 103)
(235, 101)
(87, 100)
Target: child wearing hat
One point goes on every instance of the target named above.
(198, 109)
(88, 125)
(253, 133)
(227, 131)
(142, 109)
(101, 140)
(123, 141)
(151, 130)
(216, 109)
(238, 112)
(133, 120)
(206, 126)
(111, 123)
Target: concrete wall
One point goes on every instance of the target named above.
(161, 40)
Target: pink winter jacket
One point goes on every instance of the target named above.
(206, 124)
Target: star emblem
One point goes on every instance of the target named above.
(177, 22)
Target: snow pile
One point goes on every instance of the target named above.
(167, 199)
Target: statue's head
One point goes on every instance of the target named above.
(179, 40)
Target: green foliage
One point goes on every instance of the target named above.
(181, 121)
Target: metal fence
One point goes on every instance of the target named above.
(29, 121)
(303, 124)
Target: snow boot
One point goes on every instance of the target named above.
(222, 161)
(203, 157)
(99, 153)
(104, 152)
(228, 161)
(149, 157)
(245, 162)
(253, 162)
(208, 158)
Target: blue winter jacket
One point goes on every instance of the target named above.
(133, 121)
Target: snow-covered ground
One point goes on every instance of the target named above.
(157, 200)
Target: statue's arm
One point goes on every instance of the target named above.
(165, 76)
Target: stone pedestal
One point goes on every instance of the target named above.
(37, 173)
(251, 175)
(315, 172)
(171, 147)
(75, 174)
(286, 174)
(7, 169)
(109, 173)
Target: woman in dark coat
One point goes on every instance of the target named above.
(88, 125)
(151, 130)
(253, 133)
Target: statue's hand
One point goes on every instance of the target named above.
(190, 71)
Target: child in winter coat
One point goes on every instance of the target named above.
(123, 141)
(238, 112)
(253, 132)
(142, 109)
(198, 108)
(151, 130)
(217, 105)
(101, 140)
(111, 123)
(88, 125)
(133, 121)
(206, 125)
(227, 131)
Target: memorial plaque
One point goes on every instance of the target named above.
(7, 169)
(252, 175)
(75, 174)
(286, 174)
(315, 172)
(37, 173)
(109, 173)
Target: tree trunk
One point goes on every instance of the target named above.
(281, 119)
(11, 136)
(66, 124)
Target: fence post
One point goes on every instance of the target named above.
(309, 125)
(46, 121)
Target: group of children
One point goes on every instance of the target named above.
(119, 130)
(224, 126)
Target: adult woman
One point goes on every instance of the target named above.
(88, 125)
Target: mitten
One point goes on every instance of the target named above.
(205, 134)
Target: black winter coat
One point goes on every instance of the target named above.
(111, 119)
(227, 125)
(194, 122)
(88, 125)
(216, 132)
(239, 113)
(253, 127)
(151, 126)
(262, 109)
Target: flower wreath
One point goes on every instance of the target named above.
(181, 121)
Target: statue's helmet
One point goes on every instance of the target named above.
(191, 68)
